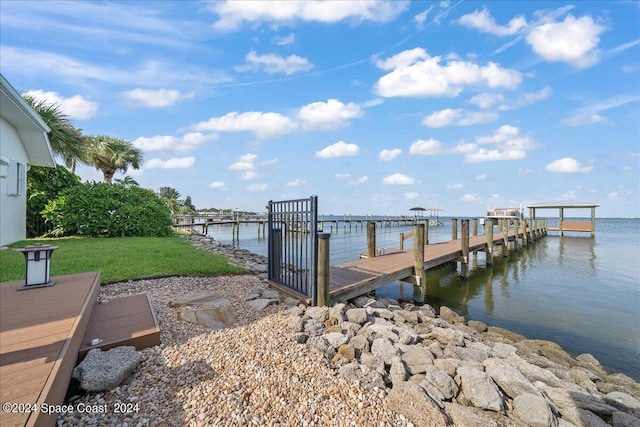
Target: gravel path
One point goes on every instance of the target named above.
(250, 374)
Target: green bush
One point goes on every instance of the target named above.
(43, 185)
(111, 210)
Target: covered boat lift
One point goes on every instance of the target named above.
(566, 226)
(432, 214)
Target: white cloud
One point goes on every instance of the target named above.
(296, 183)
(75, 107)
(174, 163)
(327, 115)
(458, 117)
(411, 195)
(590, 114)
(217, 184)
(272, 63)
(583, 119)
(574, 41)
(507, 145)
(232, 14)
(155, 98)
(454, 186)
(399, 179)
(481, 177)
(259, 188)
(486, 99)
(483, 21)
(248, 175)
(186, 142)
(388, 155)
(525, 172)
(342, 175)
(264, 125)
(339, 149)
(567, 165)
(359, 181)
(527, 99)
(416, 74)
(430, 147)
(242, 166)
(284, 40)
(469, 197)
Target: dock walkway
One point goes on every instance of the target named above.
(354, 278)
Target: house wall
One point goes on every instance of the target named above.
(13, 207)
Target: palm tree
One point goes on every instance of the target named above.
(66, 141)
(109, 155)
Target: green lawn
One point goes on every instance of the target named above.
(120, 259)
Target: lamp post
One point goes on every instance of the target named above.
(37, 258)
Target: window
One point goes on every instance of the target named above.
(17, 179)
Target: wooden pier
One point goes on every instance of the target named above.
(380, 267)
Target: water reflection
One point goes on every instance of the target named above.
(579, 249)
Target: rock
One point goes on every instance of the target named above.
(409, 399)
(105, 370)
(300, 337)
(356, 315)
(441, 381)
(384, 350)
(335, 339)
(508, 378)
(451, 316)
(407, 335)
(216, 314)
(372, 362)
(622, 419)
(468, 416)
(568, 398)
(398, 371)
(417, 358)
(476, 352)
(582, 417)
(321, 346)
(448, 336)
(532, 409)
(271, 294)
(366, 377)
(262, 303)
(404, 316)
(383, 313)
(360, 343)
(480, 390)
(347, 351)
(193, 299)
(623, 402)
(477, 326)
(361, 301)
(319, 314)
(313, 327)
(511, 336)
(380, 331)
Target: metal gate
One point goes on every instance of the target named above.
(293, 245)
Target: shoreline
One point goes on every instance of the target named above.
(274, 367)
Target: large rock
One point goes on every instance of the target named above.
(215, 313)
(417, 358)
(533, 410)
(105, 370)
(366, 377)
(508, 378)
(451, 316)
(409, 399)
(441, 381)
(384, 350)
(480, 390)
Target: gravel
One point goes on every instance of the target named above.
(252, 373)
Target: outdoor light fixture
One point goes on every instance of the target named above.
(38, 258)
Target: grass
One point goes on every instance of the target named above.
(121, 259)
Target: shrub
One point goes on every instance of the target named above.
(101, 209)
(43, 185)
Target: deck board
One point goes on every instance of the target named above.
(40, 334)
(358, 277)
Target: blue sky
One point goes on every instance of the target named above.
(376, 107)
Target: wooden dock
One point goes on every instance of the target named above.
(354, 278)
(43, 332)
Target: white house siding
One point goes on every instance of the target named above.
(12, 203)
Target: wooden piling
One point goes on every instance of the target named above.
(504, 228)
(516, 238)
(323, 284)
(371, 239)
(488, 231)
(426, 232)
(454, 229)
(464, 265)
(420, 287)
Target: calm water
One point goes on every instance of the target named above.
(580, 292)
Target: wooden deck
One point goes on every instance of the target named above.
(358, 277)
(40, 333)
(45, 331)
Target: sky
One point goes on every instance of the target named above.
(374, 106)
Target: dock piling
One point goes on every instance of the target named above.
(420, 287)
(371, 239)
(464, 265)
(488, 227)
(323, 269)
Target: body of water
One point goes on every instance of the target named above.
(579, 292)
